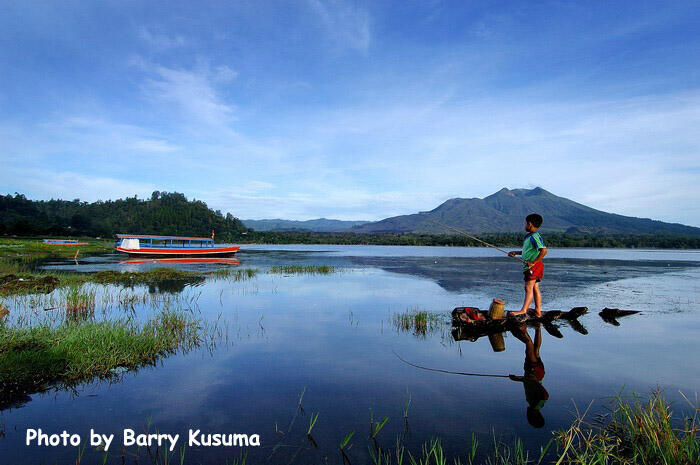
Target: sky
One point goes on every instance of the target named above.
(353, 110)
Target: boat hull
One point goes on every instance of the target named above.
(181, 251)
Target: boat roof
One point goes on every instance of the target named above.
(149, 236)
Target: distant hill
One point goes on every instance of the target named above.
(319, 225)
(168, 213)
(505, 211)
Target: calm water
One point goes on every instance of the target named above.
(333, 337)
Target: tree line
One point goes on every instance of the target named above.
(169, 213)
(500, 239)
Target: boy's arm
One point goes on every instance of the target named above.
(515, 252)
(539, 257)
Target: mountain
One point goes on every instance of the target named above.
(505, 211)
(319, 225)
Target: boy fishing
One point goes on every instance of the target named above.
(532, 254)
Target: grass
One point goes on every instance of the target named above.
(41, 357)
(237, 274)
(638, 432)
(302, 269)
(34, 248)
(79, 302)
(634, 432)
(419, 322)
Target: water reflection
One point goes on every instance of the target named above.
(181, 260)
(533, 374)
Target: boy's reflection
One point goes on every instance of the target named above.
(535, 394)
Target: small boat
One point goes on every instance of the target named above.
(146, 244)
(63, 242)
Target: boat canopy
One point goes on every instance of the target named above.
(130, 244)
(150, 236)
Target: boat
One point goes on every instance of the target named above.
(63, 242)
(146, 244)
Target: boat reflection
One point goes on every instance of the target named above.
(188, 260)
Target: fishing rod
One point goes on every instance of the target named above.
(477, 239)
(447, 371)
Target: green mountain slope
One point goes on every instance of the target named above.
(319, 225)
(505, 210)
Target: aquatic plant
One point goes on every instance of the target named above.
(79, 302)
(302, 269)
(419, 322)
(237, 274)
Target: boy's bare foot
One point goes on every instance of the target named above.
(534, 312)
(520, 312)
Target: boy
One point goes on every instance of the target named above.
(533, 252)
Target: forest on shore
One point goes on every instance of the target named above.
(171, 213)
(168, 213)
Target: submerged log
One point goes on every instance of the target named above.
(470, 323)
(616, 312)
(610, 315)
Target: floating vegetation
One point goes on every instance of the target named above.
(302, 269)
(14, 284)
(152, 276)
(161, 279)
(419, 322)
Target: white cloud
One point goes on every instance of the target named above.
(153, 145)
(54, 183)
(193, 92)
(159, 41)
(347, 24)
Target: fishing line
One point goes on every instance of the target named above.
(447, 371)
(475, 238)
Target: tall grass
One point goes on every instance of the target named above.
(640, 432)
(35, 358)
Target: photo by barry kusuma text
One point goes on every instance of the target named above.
(129, 437)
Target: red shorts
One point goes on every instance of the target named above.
(536, 272)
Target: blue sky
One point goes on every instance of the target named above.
(353, 110)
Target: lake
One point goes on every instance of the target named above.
(332, 339)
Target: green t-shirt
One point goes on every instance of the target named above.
(531, 247)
